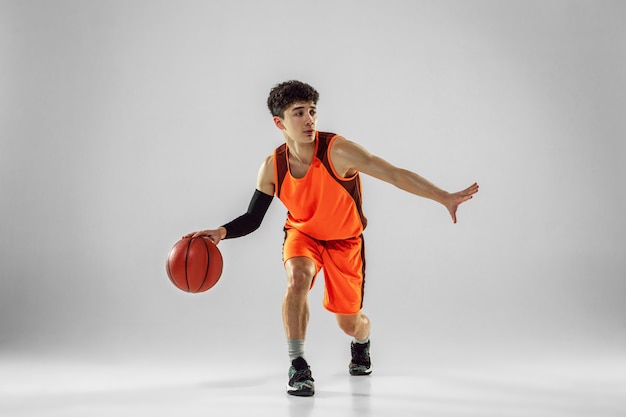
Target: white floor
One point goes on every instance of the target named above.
(542, 388)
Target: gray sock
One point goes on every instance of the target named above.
(295, 348)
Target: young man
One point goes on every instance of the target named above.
(316, 176)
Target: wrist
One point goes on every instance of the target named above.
(442, 196)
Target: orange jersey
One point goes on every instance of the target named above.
(322, 204)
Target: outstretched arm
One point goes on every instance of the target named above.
(349, 157)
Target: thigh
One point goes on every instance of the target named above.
(344, 274)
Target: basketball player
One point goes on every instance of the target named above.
(316, 176)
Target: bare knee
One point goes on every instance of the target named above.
(300, 274)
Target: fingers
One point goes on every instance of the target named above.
(197, 234)
(461, 197)
(210, 234)
(472, 189)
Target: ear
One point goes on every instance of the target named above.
(279, 123)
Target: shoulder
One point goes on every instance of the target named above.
(346, 156)
(268, 164)
(265, 178)
(345, 149)
(339, 142)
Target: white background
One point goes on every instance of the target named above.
(124, 125)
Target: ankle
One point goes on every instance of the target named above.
(295, 348)
(361, 342)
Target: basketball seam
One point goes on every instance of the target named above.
(208, 262)
(186, 263)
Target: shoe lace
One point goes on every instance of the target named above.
(302, 375)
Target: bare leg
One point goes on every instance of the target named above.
(355, 325)
(300, 274)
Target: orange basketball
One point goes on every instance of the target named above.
(194, 264)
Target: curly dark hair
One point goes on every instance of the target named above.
(286, 93)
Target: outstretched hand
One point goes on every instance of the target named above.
(455, 199)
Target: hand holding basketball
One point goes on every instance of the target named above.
(215, 235)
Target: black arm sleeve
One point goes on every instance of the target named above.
(251, 220)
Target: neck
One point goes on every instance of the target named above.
(303, 152)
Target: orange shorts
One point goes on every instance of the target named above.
(343, 262)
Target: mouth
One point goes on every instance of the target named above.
(309, 132)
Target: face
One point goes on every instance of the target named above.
(299, 122)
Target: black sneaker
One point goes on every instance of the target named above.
(360, 363)
(300, 379)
